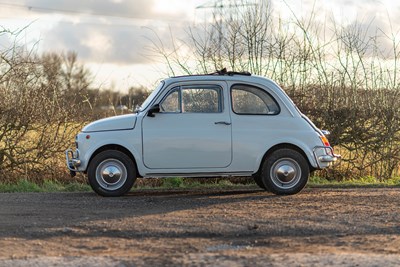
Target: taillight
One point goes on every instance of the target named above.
(324, 140)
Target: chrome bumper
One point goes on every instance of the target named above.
(327, 157)
(73, 161)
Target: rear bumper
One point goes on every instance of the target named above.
(324, 156)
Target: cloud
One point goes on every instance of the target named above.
(101, 31)
(102, 42)
(6, 40)
(133, 9)
(374, 24)
(126, 8)
(113, 31)
(359, 23)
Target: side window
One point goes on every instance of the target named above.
(197, 99)
(251, 100)
(201, 100)
(172, 102)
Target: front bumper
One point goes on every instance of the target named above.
(324, 156)
(73, 161)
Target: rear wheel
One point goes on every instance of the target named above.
(285, 172)
(111, 173)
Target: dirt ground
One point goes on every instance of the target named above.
(202, 227)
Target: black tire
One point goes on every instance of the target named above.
(259, 182)
(111, 173)
(285, 172)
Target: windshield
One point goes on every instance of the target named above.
(150, 97)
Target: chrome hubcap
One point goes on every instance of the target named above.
(285, 173)
(111, 174)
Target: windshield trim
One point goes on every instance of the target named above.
(150, 98)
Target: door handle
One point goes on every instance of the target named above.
(222, 122)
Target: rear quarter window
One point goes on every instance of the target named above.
(251, 100)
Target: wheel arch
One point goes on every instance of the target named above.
(281, 146)
(118, 148)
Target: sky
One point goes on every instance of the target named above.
(112, 37)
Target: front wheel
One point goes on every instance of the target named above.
(285, 172)
(111, 173)
(259, 182)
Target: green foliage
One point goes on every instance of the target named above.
(365, 181)
(24, 185)
(173, 182)
(179, 182)
(20, 186)
(76, 187)
(52, 186)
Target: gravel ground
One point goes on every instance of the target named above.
(202, 227)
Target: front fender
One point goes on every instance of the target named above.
(94, 142)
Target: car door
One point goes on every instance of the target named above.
(258, 122)
(191, 131)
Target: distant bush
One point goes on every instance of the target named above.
(365, 127)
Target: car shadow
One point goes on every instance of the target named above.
(243, 213)
(30, 215)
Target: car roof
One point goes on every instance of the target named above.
(238, 77)
(220, 76)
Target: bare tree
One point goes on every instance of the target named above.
(339, 75)
(40, 100)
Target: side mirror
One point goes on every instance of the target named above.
(154, 109)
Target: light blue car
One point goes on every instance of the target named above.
(222, 124)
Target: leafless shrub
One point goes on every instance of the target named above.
(44, 101)
(339, 75)
(38, 104)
